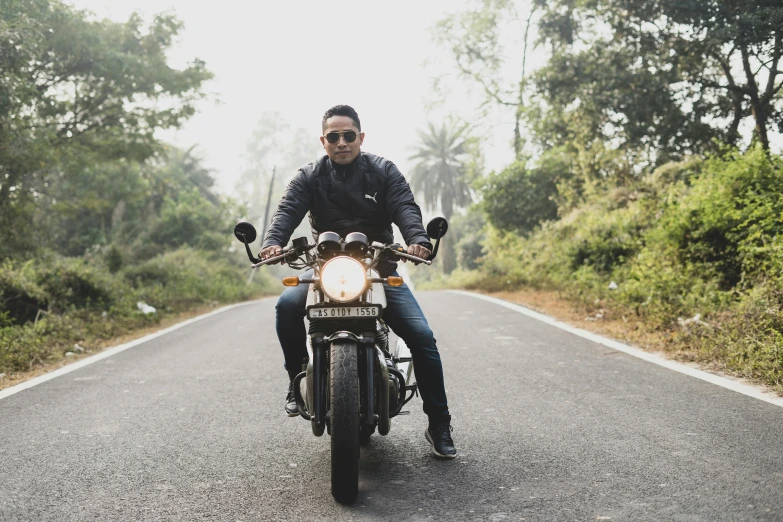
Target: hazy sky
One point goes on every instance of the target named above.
(299, 58)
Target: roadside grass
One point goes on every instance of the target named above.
(57, 310)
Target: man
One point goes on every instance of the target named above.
(351, 191)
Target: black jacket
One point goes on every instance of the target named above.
(366, 196)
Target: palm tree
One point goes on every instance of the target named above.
(440, 173)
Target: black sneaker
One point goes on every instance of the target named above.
(290, 401)
(439, 435)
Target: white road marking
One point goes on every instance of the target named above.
(730, 384)
(113, 351)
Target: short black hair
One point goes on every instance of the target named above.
(341, 110)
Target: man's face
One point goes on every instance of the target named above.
(342, 152)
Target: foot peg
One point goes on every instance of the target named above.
(414, 390)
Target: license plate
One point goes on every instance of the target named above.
(343, 312)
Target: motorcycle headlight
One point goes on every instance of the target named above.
(343, 279)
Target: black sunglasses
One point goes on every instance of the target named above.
(334, 137)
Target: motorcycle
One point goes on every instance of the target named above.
(352, 384)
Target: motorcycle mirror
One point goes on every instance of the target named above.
(245, 232)
(437, 228)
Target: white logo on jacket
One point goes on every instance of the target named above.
(367, 196)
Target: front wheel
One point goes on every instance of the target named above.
(344, 420)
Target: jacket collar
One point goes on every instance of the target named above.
(344, 171)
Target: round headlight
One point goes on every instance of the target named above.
(343, 279)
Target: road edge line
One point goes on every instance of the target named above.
(718, 380)
(114, 350)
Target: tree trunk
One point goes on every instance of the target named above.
(447, 248)
(449, 258)
(521, 99)
(732, 136)
(761, 117)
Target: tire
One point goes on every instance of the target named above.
(344, 420)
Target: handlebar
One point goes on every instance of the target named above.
(286, 252)
(388, 248)
(271, 260)
(297, 251)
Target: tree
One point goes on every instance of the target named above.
(128, 203)
(75, 92)
(668, 74)
(442, 170)
(477, 41)
(519, 199)
(273, 143)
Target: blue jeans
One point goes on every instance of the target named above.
(404, 317)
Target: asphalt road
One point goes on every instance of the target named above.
(190, 426)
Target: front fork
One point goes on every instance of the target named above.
(317, 376)
(367, 368)
(317, 390)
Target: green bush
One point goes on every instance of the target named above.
(662, 290)
(747, 339)
(21, 297)
(74, 283)
(114, 258)
(190, 219)
(696, 237)
(80, 301)
(189, 276)
(466, 234)
(519, 199)
(22, 347)
(730, 217)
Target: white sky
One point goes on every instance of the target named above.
(300, 58)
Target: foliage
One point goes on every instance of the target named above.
(466, 233)
(95, 213)
(75, 93)
(166, 201)
(695, 237)
(21, 296)
(477, 40)
(442, 168)
(748, 339)
(654, 73)
(630, 181)
(731, 219)
(190, 219)
(519, 199)
(176, 279)
(627, 86)
(82, 302)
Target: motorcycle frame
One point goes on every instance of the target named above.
(375, 370)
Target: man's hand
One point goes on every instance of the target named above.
(270, 251)
(418, 251)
